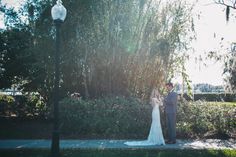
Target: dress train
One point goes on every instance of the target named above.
(155, 136)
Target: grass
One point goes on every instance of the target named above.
(119, 153)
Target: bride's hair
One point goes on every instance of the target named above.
(155, 93)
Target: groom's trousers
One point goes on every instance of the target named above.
(171, 126)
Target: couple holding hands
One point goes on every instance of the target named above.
(169, 102)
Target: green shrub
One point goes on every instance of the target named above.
(108, 117)
(119, 117)
(35, 106)
(6, 104)
(22, 106)
(213, 119)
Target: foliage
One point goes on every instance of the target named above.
(200, 119)
(15, 57)
(230, 71)
(108, 47)
(5, 103)
(27, 106)
(229, 58)
(105, 117)
(23, 63)
(129, 118)
(120, 118)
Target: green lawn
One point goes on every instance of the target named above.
(119, 153)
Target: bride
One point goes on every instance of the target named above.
(155, 136)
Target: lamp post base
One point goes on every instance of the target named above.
(55, 144)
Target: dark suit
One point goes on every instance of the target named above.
(170, 105)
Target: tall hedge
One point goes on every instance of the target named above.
(105, 117)
(120, 117)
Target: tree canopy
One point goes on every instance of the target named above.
(230, 58)
(108, 46)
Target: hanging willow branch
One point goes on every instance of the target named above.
(228, 6)
(227, 13)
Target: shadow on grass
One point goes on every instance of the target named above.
(119, 153)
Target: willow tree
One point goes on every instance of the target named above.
(124, 47)
(109, 46)
(229, 58)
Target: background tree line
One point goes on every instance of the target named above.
(108, 47)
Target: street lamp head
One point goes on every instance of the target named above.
(58, 12)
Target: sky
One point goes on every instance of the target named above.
(210, 28)
(10, 3)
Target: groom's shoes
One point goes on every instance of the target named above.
(170, 142)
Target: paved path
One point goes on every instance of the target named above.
(118, 144)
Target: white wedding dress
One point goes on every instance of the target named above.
(155, 136)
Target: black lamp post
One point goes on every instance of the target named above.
(58, 13)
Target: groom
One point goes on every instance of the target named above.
(170, 107)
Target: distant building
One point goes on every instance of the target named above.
(10, 92)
